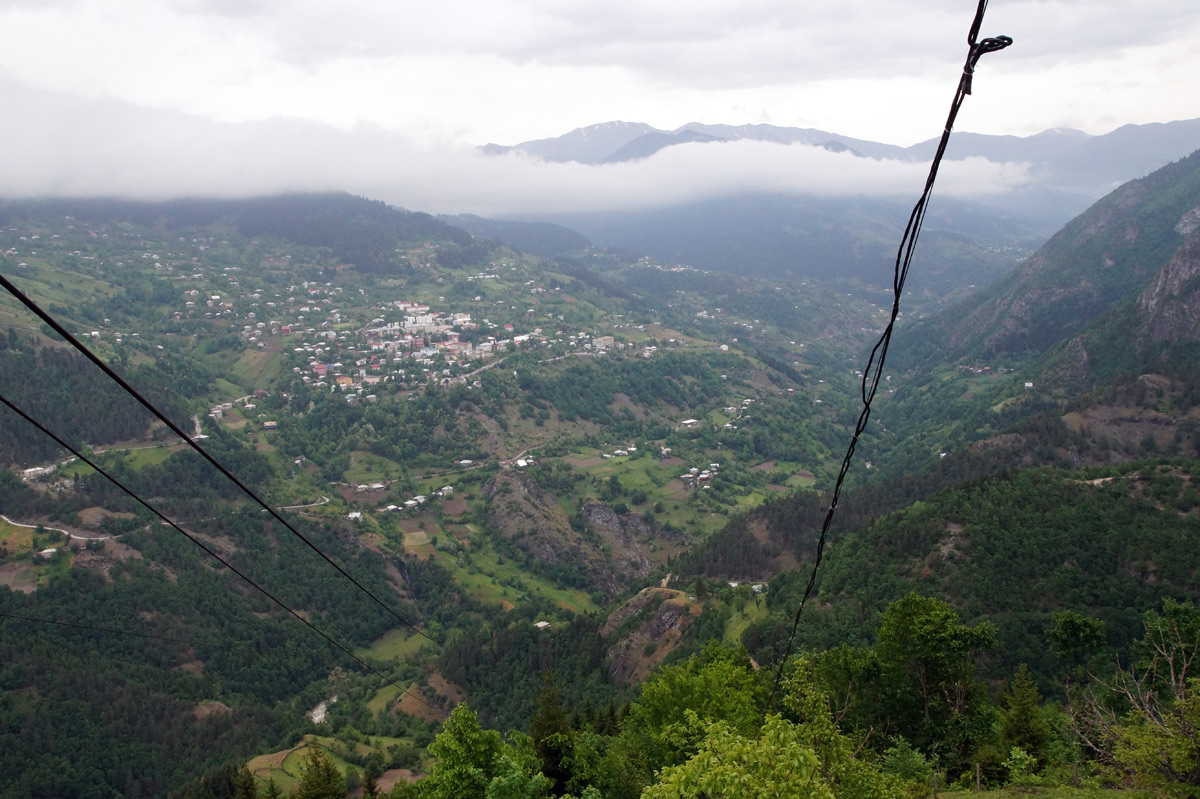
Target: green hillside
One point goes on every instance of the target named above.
(571, 476)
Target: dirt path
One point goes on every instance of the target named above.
(324, 500)
(68, 533)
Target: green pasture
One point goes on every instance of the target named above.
(740, 620)
(47, 283)
(225, 391)
(383, 698)
(55, 567)
(394, 645)
(288, 773)
(134, 459)
(652, 476)
(16, 538)
(367, 467)
(484, 577)
(257, 368)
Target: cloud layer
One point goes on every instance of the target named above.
(67, 146)
(509, 70)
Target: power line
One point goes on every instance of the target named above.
(96, 629)
(202, 545)
(873, 374)
(74, 342)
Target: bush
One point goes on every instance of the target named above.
(907, 763)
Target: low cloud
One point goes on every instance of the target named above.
(58, 144)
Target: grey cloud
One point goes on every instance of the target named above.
(66, 146)
(234, 9)
(707, 45)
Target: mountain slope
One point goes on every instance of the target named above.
(828, 240)
(535, 238)
(587, 145)
(356, 230)
(1091, 264)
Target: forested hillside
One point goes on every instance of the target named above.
(1095, 261)
(580, 496)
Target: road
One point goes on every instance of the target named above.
(67, 533)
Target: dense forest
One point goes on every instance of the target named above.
(580, 497)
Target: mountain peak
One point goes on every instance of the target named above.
(1072, 133)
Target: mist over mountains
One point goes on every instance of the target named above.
(971, 238)
(1065, 161)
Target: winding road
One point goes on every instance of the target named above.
(67, 533)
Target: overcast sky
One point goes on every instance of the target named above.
(387, 97)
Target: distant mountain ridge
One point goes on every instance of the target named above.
(852, 239)
(1075, 167)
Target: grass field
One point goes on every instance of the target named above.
(740, 620)
(505, 584)
(383, 697)
(136, 459)
(51, 284)
(287, 767)
(395, 644)
(660, 481)
(367, 467)
(257, 368)
(16, 539)
(224, 391)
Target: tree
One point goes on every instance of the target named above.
(1075, 636)
(244, 786)
(321, 779)
(923, 645)
(466, 756)
(1145, 722)
(728, 764)
(514, 782)
(370, 784)
(1020, 721)
(551, 733)
(678, 704)
(807, 757)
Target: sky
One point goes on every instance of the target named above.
(389, 98)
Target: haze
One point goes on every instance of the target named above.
(209, 97)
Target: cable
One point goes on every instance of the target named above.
(202, 545)
(96, 629)
(74, 342)
(873, 374)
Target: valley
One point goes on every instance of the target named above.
(591, 481)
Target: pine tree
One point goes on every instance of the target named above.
(1021, 724)
(321, 779)
(370, 784)
(243, 785)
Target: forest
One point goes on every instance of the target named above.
(580, 498)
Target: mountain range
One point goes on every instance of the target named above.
(849, 240)
(1062, 160)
